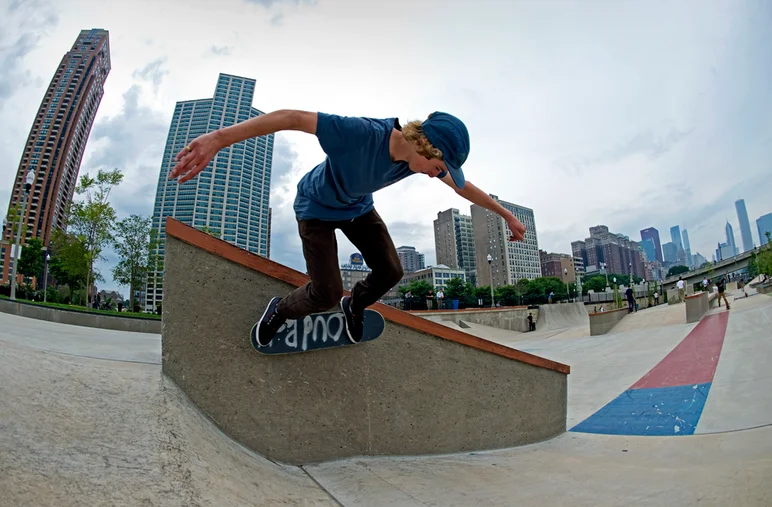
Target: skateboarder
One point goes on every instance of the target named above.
(363, 155)
(721, 286)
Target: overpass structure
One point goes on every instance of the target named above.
(725, 267)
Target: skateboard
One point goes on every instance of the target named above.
(317, 331)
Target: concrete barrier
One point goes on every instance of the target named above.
(697, 306)
(512, 319)
(421, 388)
(81, 318)
(764, 288)
(603, 322)
(674, 296)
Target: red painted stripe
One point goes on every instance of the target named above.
(694, 360)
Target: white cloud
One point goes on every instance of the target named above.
(631, 114)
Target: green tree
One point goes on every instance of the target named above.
(419, 289)
(753, 266)
(507, 295)
(483, 292)
(765, 257)
(134, 244)
(596, 283)
(31, 259)
(210, 230)
(93, 219)
(69, 260)
(455, 288)
(677, 270)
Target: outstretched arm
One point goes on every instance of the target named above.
(473, 194)
(196, 156)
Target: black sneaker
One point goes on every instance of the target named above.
(269, 323)
(354, 323)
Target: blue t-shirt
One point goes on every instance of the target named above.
(358, 163)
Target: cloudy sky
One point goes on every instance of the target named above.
(625, 113)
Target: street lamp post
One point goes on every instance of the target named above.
(565, 276)
(45, 278)
(579, 287)
(15, 251)
(490, 265)
(616, 292)
(603, 267)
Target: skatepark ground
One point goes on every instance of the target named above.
(660, 412)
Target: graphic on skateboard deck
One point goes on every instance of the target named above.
(317, 331)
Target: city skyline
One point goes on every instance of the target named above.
(683, 139)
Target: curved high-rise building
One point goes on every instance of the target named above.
(230, 198)
(57, 139)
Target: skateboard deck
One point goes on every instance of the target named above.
(317, 331)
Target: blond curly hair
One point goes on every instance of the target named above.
(414, 134)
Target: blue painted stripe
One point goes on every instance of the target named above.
(660, 411)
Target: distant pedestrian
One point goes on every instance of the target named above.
(721, 285)
(549, 298)
(630, 300)
(440, 297)
(681, 285)
(531, 325)
(408, 300)
(656, 298)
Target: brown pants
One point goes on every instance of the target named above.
(370, 236)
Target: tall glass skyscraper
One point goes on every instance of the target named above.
(230, 198)
(745, 225)
(57, 139)
(730, 239)
(687, 249)
(653, 234)
(764, 225)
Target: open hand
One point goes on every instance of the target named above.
(517, 228)
(194, 158)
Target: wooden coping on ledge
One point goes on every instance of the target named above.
(220, 248)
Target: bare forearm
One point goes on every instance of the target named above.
(270, 123)
(477, 196)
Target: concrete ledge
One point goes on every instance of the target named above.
(603, 322)
(80, 318)
(764, 288)
(510, 318)
(421, 388)
(698, 305)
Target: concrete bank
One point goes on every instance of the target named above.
(512, 319)
(80, 318)
(421, 388)
(699, 304)
(603, 322)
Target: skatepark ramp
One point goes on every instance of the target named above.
(421, 388)
(562, 315)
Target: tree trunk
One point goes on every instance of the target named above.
(131, 288)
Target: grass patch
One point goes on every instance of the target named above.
(83, 309)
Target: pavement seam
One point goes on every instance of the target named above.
(69, 354)
(332, 497)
